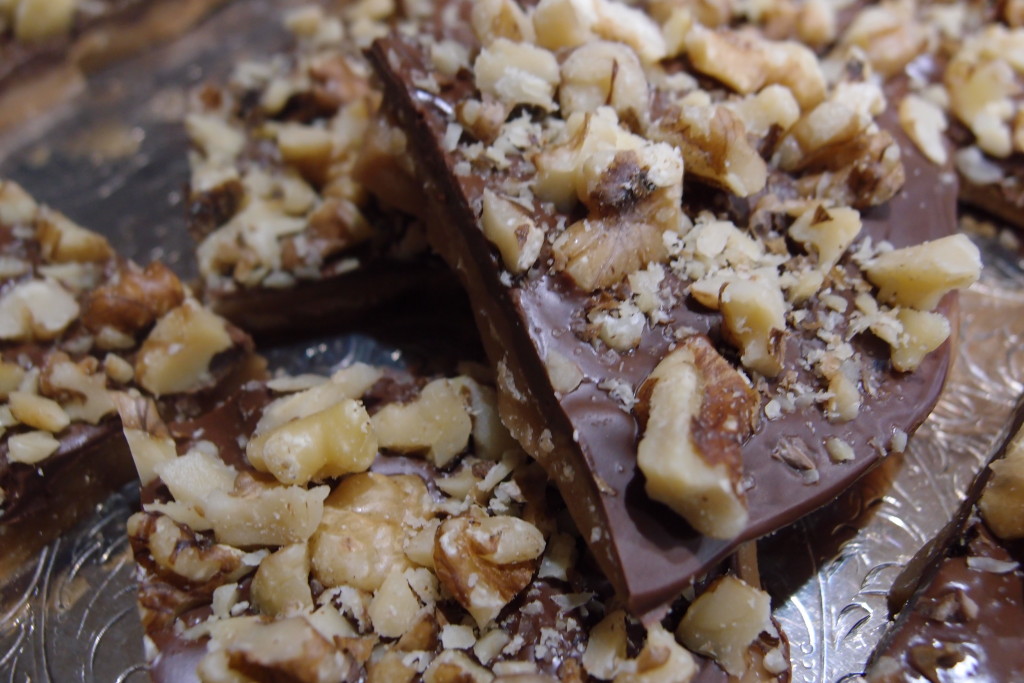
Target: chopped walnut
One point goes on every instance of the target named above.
(1002, 503)
(510, 228)
(696, 411)
(919, 276)
(493, 19)
(485, 562)
(437, 423)
(517, 73)
(725, 621)
(62, 241)
(602, 73)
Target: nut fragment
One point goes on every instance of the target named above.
(36, 309)
(327, 444)
(38, 412)
(725, 621)
(31, 448)
(828, 231)
(435, 422)
(394, 607)
(39, 20)
(919, 276)
(177, 549)
(485, 563)
(922, 332)
(564, 23)
(80, 388)
(1002, 503)
(134, 299)
(696, 411)
(62, 241)
(176, 355)
(493, 19)
(754, 313)
(598, 254)
(662, 660)
(715, 148)
(601, 73)
(510, 228)
(281, 583)
(356, 549)
(925, 123)
(517, 73)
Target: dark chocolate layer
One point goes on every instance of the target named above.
(648, 552)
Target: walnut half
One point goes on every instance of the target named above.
(696, 410)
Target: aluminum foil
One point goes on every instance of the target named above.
(114, 158)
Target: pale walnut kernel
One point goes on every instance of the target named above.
(926, 125)
(696, 411)
(262, 515)
(176, 548)
(286, 649)
(1002, 503)
(176, 355)
(773, 106)
(662, 660)
(493, 19)
(36, 309)
(36, 21)
(11, 375)
(619, 22)
(327, 444)
(281, 584)
(725, 620)
(827, 231)
(17, 207)
(436, 423)
(598, 254)
(564, 23)
(80, 387)
(509, 227)
(31, 448)
(452, 666)
(397, 498)
(148, 438)
(484, 563)
(754, 313)
(889, 36)
(606, 647)
(603, 73)
(38, 412)
(715, 148)
(395, 607)
(920, 275)
(355, 549)
(517, 73)
(922, 333)
(62, 241)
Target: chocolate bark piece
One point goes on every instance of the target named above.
(301, 202)
(77, 321)
(48, 47)
(960, 601)
(442, 553)
(567, 392)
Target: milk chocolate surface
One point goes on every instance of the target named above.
(649, 553)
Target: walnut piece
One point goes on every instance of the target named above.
(725, 620)
(510, 228)
(486, 562)
(828, 231)
(281, 583)
(134, 299)
(176, 355)
(662, 660)
(920, 275)
(602, 73)
(436, 423)
(696, 411)
(517, 73)
(1002, 503)
(36, 309)
(327, 444)
(38, 20)
(62, 241)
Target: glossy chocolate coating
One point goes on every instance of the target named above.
(962, 646)
(648, 552)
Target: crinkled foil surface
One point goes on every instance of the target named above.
(114, 159)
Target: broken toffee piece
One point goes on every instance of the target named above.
(606, 203)
(47, 46)
(378, 526)
(962, 619)
(299, 201)
(77, 321)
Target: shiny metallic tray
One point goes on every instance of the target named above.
(114, 158)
